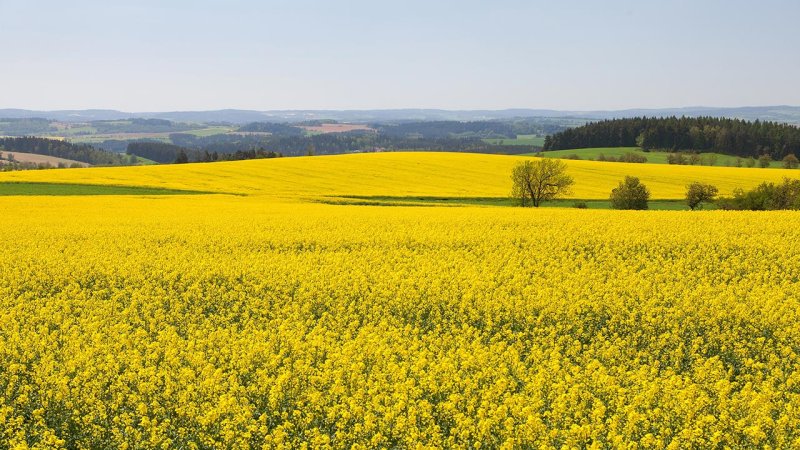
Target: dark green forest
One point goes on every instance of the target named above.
(163, 153)
(698, 134)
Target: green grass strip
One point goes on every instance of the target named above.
(57, 189)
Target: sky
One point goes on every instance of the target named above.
(165, 55)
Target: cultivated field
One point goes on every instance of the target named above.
(34, 158)
(522, 139)
(268, 319)
(336, 128)
(401, 174)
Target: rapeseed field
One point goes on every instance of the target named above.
(400, 174)
(215, 321)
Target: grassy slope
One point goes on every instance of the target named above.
(33, 188)
(653, 157)
(141, 161)
(398, 174)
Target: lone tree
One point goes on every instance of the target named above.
(630, 194)
(540, 180)
(697, 193)
(763, 161)
(790, 161)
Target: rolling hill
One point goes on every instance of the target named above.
(397, 174)
(779, 113)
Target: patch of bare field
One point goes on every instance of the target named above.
(336, 128)
(37, 159)
(251, 133)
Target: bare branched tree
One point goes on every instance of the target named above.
(537, 181)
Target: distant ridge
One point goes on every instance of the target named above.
(779, 113)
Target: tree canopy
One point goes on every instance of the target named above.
(630, 194)
(540, 180)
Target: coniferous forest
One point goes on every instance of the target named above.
(702, 134)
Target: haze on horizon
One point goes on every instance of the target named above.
(152, 55)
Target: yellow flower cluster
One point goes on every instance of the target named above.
(217, 322)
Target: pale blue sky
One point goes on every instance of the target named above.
(148, 55)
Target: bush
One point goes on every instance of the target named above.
(676, 158)
(697, 193)
(682, 159)
(790, 161)
(765, 197)
(631, 157)
(710, 159)
(580, 205)
(763, 161)
(630, 194)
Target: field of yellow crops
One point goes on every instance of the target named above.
(401, 174)
(265, 321)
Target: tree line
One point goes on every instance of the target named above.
(697, 134)
(337, 143)
(165, 153)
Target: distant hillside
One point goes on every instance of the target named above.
(781, 113)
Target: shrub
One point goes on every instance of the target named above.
(763, 161)
(766, 197)
(580, 205)
(676, 158)
(632, 158)
(697, 193)
(790, 161)
(681, 158)
(630, 194)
